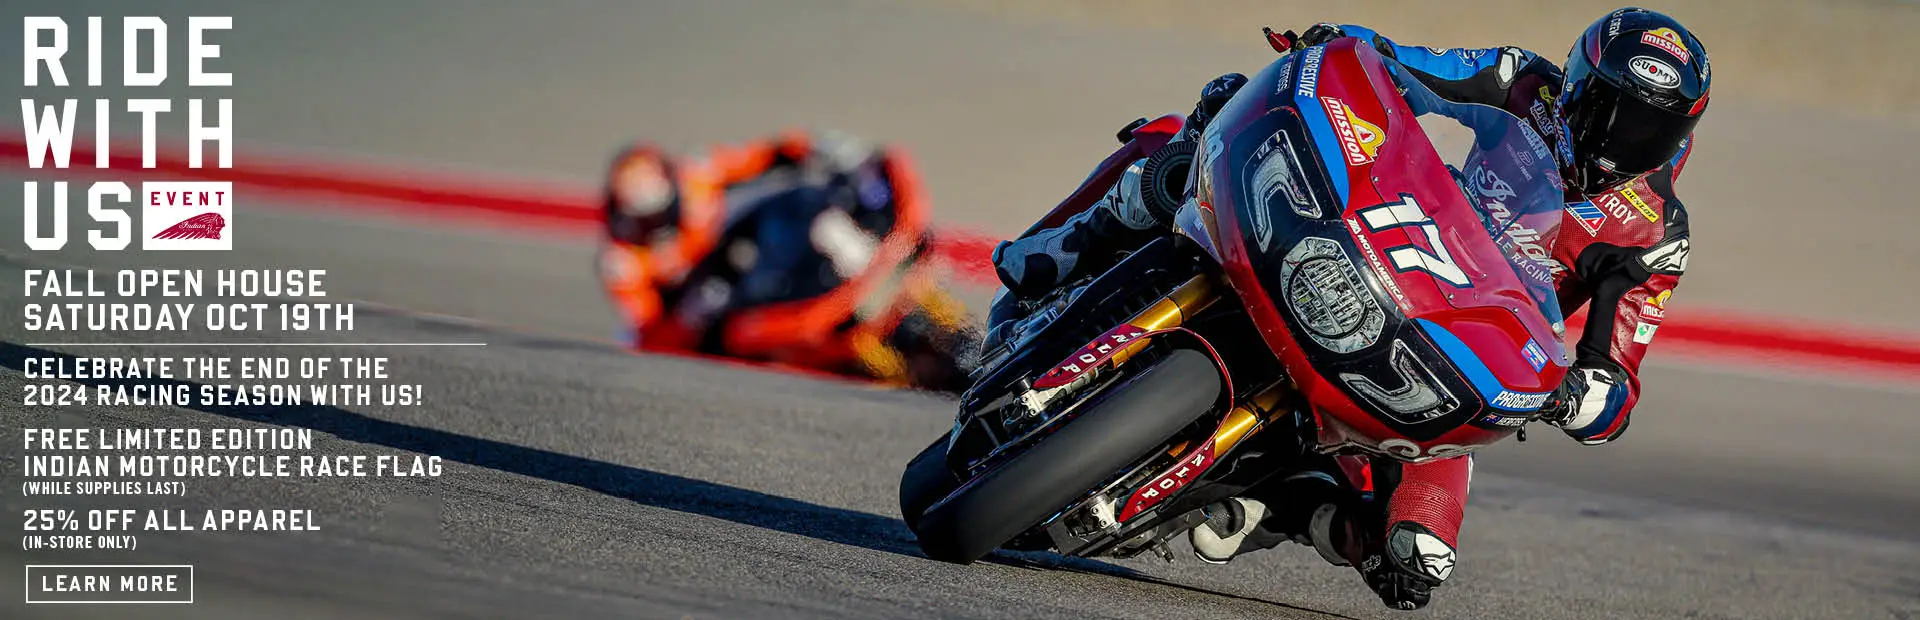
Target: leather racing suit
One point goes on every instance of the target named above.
(1621, 253)
(690, 241)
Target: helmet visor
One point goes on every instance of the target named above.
(1619, 135)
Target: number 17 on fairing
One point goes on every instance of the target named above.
(1438, 263)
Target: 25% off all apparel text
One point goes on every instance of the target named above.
(170, 520)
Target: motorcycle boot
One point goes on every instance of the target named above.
(1402, 563)
(1135, 211)
(1406, 547)
(1269, 514)
(1138, 208)
(1121, 220)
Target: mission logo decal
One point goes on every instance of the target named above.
(1359, 139)
(1668, 41)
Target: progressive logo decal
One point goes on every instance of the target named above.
(186, 216)
(1519, 401)
(1360, 140)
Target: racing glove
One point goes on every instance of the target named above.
(1565, 401)
(1585, 403)
(1212, 97)
(1318, 34)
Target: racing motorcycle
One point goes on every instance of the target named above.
(891, 321)
(1335, 290)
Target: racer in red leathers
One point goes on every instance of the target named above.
(782, 250)
(1619, 118)
(665, 215)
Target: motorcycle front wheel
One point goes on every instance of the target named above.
(1131, 421)
(925, 481)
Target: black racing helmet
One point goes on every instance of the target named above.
(1636, 84)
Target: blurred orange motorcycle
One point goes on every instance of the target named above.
(801, 251)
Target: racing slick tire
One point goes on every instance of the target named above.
(1130, 421)
(925, 481)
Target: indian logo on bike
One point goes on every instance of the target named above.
(1489, 184)
(1359, 139)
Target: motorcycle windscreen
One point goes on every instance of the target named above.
(1509, 175)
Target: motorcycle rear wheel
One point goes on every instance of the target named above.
(1131, 420)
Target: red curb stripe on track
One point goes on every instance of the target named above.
(1717, 333)
(1791, 342)
(413, 191)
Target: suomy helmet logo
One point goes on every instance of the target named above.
(1652, 71)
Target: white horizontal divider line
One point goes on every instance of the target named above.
(255, 344)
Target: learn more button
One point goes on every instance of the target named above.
(110, 583)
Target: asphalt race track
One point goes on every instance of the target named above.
(586, 479)
(582, 481)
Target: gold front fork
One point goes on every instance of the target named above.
(1173, 310)
(1245, 418)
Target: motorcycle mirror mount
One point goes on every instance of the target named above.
(1282, 42)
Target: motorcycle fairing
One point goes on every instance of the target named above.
(1439, 359)
(1306, 87)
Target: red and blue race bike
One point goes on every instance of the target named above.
(1336, 290)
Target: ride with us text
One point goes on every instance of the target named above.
(50, 49)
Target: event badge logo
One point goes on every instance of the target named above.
(186, 216)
